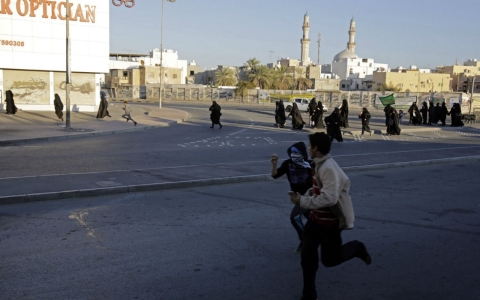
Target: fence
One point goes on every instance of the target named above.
(356, 99)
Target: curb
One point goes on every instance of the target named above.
(94, 133)
(16, 199)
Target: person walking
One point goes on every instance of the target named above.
(331, 212)
(281, 118)
(415, 117)
(312, 107)
(276, 114)
(438, 113)
(11, 108)
(103, 107)
(318, 116)
(443, 113)
(365, 117)
(215, 114)
(344, 114)
(424, 112)
(431, 114)
(297, 121)
(333, 126)
(57, 102)
(393, 128)
(299, 175)
(128, 112)
(386, 110)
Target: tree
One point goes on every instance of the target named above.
(301, 81)
(225, 77)
(262, 76)
(242, 87)
(390, 87)
(252, 64)
(282, 80)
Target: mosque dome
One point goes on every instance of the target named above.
(345, 54)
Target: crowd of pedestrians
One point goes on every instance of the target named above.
(431, 114)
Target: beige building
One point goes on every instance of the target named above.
(142, 75)
(413, 81)
(460, 74)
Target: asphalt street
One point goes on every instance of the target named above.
(420, 224)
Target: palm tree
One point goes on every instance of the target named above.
(389, 87)
(262, 76)
(252, 64)
(225, 77)
(242, 87)
(282, 80)
(301, 81)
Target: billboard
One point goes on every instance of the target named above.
(33, 35)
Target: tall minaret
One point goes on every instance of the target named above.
(305, 59)
(351, 33)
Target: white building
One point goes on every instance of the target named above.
(170, 60)
(33, 52)
(348, 65)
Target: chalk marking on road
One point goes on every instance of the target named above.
(237, 132)
(181, 145)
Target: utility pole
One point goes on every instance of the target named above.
(68, 70)
(318, 59)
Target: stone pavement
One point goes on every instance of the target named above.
(31, 126)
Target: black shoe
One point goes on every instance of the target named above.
(135, 123)
(363, 254)
(220, 127)
(127, 120)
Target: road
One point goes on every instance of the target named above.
(420, 224)
(248, 137)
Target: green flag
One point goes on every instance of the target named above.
(387, 100)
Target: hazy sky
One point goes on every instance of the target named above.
(426, 33)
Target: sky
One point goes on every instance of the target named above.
(425, 33)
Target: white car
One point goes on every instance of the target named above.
(302, 104)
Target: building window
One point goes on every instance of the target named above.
(192, 72)
(174, 76)
(369, 86)
(343, 86)
(166, 74)
(370, 65)
(423, 86)
(379, 84)
(150, 75)
(440, 84)
(358, 64)
(401, 84)
(351, 70)
(365, 60)
(125, 73)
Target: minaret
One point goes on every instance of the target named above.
(305, 59)
(351, 41)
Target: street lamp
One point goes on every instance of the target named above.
(161, 56)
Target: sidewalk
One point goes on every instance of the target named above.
(28, 126)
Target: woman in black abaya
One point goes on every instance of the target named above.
(424, 111)
(11, 108)
(365, 116)
(312, 107)
(443, 113)
(58, 107)
(103, 107)
(431, 114)
(333, 126)
(215, 114)
(387, 114)
(344, 113)
(280, 117)
(297, 121)
(415, 117)
(393, 128)
(318, 116)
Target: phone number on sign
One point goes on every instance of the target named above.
(12, 43)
